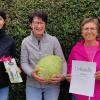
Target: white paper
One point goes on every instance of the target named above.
(83, 78)
(12, 70)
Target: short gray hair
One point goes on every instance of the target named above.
(90, 19)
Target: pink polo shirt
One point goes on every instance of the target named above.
(91, 50)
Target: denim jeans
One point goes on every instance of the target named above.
(4, 93)
(50, 93)
(73, 97)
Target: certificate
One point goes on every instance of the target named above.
(83, 78)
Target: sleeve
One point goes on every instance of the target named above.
(13, 49)
(58, 51)
(69, 63)
(24, 60)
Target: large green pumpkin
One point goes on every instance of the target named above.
(49, 66)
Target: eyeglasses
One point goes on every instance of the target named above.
(37, 23)
(93, 29)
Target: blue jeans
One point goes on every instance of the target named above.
(73, 97)
(50, 93)
(4, 93)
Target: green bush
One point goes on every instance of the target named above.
(64, 20)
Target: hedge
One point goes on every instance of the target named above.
(64, 21)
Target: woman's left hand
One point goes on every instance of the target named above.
(18, 70)
(97, 75)
(56, 79)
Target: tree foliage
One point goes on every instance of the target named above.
(64, 21)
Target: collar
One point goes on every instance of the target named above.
(43, 39)
(81, 43)
(2, 33)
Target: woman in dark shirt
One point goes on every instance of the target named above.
(7, 50)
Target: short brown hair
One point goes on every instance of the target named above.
(38, 13)
(90, 19)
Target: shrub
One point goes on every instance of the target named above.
(64, 20)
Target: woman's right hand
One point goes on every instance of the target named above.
(38, 78)
(68, 77)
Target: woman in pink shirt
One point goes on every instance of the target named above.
(88, 49)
